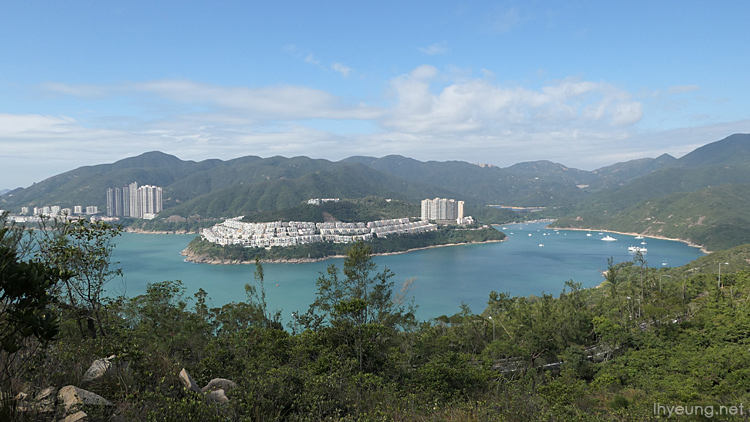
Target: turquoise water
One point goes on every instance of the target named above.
(443, 277)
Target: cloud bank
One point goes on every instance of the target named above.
(425, 113)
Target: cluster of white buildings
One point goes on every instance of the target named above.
(134, 201)
(288, 233)
(56, 211)
(36, 214)
(318, 201)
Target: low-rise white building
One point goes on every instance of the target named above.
(288, 233)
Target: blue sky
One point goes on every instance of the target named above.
(585, 84)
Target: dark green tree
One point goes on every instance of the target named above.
(363, 296)
(359, 306)
(27, 319)
(82, 251)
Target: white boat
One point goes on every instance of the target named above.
(637, 249)
(609, 238)
(643, 243)
(639, 237)
(541, 245)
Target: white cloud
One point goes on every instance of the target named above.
(15, 124)
(308, 57)
(505, 21)
(435, 49)
(428, 114)
(312, 60)
(286, 102)
(681, 89)
(343, 70)
(478, 105)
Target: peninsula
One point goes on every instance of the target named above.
(203, 251)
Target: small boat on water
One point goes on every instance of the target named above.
(541, 245)
(639, 237)
(643, 243)
(609, 238)
(637, 249)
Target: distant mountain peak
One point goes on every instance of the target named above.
(734, 149)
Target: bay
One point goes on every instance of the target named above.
(444, 277)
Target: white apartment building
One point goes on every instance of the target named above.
(442, 209)
(134, 201)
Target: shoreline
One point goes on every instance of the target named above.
(141, 231)
(197, 260)
(687, 242)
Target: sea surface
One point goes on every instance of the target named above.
(443, 278)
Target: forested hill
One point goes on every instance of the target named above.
(539, 183)
(701, 197)
(216, 188)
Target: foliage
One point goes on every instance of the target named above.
(82, 251)
(646, 335)
(369, 208)
(26, 315)
(716, 217)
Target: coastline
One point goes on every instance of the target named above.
(687, 242)
(200, 260)
(141, 231)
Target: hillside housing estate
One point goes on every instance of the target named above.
(289, 233)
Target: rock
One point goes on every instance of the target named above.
(97, 369)
(219, 384)
(72, 396)
(76, 417)
(103, 367)
(45, 401)
(216, 396)
(189, 382)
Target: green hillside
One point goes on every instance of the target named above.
(620, 174)
(488, 185)
(343, 181)
(250, 185)
(350, 210)
(700, 197)
(88, 185)
(716, 218)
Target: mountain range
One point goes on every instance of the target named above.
(579, 198)
(253, 183)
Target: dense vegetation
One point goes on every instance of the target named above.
(205, 251)
(242, 186)
(717, 217)
(369, 208)
(672, 337)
